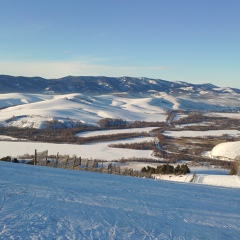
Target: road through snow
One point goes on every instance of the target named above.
(46, 203)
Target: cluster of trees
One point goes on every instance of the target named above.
(9, 159)
(110, 122)
(6, 159)
(167, 169)
(194, 117)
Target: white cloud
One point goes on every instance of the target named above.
(61, 69)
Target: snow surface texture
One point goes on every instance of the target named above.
(46, 203)
(228, 150)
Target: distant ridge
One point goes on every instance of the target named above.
(102, 85)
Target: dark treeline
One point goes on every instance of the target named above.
(110, 123)
(138, 146)
(216, 123)
(167, 169)
(64, 135)
(195, 117)
(110, 137)
(56, 132)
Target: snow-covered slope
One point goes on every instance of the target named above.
(14, 99)
(77, 108)
(34, 110)
(228, 150)
(47, 203)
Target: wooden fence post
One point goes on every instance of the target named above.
(35, 157)
(74, 161)
(67, 161)
(57, 160)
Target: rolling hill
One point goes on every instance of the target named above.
(228, 150)
(31, 102)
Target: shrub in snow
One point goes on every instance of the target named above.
(235, 168)
(15, 160)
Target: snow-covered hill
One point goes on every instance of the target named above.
(228, 150)
(46, 203)
(35, 110)
(32, 102)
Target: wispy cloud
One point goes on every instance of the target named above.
(61, 69)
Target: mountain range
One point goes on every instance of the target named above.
(31, 102)
(103, 85)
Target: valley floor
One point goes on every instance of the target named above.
(46, 203)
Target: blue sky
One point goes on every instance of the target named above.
(196, 41)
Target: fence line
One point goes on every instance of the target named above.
(78, 163)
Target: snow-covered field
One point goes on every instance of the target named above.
(46, 203)
(177, 134)
(6, 138)
(212, 179)
(93, 150)
(228, 115)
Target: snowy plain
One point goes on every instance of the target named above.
(99, 150)
(45, 203)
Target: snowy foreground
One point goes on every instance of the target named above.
(46, 203)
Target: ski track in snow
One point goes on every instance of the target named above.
(45, 203)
